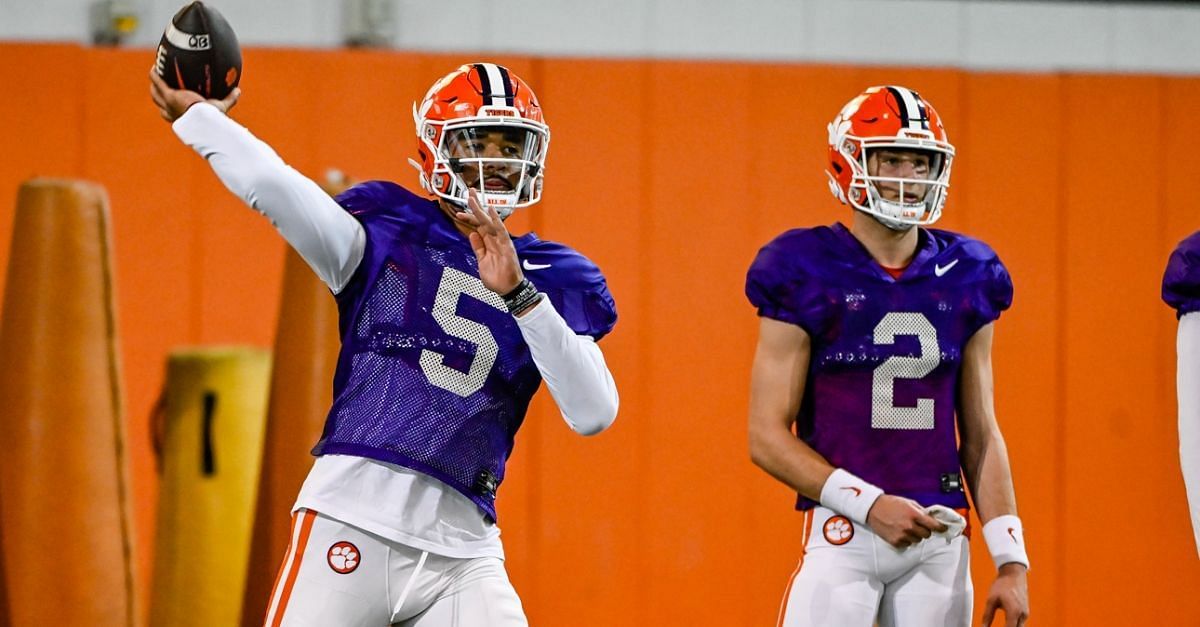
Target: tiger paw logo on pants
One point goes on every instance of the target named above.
(343, 558)
(838, 530)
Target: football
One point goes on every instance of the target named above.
(199, 51)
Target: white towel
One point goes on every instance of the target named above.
(955, 522)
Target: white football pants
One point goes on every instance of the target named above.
(336, 574)
(849, 577)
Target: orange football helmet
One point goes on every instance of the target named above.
(481, 126)
(889, 117)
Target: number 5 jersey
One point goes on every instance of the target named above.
(434, 374)
(886, 353)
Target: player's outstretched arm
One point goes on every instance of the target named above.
(328, 238)
(985, 460)
(572, 365)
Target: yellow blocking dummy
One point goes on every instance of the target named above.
(212, 434)
(64, 489)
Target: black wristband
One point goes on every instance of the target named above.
(521, 297)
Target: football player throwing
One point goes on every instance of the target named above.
(448, 327)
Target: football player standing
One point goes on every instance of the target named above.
(874, 345)
(448, 327)
(1181, 290)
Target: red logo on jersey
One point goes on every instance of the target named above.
(343, 558)
(857, 492)
(838, 530)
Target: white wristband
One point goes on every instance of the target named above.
(1005, 540)
(849, 496)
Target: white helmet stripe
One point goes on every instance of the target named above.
(910, 107)
(497, 83)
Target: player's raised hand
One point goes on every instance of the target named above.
(1010, 592)
(901, 522)
(173, 103)
(499, 268)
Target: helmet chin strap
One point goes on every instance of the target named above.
(502, 211)
(892, 224)
(878, 203)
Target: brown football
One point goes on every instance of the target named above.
(199, 51)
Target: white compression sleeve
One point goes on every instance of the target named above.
(573, 367)
(328, 238)
(1187, 384)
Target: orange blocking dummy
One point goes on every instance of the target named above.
(64, 490)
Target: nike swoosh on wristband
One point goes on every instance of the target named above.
(534, 266)
(940, 270)
(857, 491)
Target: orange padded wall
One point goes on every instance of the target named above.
(64, 482)
(670, 175)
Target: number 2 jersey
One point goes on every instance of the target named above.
(881, 392)
(434, 374)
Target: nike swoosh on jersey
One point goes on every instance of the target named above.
(534, 266)
(940, 270)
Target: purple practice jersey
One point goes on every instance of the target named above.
(433, 373)
(882, 385)
(1181, 281)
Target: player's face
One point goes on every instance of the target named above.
(900, 164)
(495, 150)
